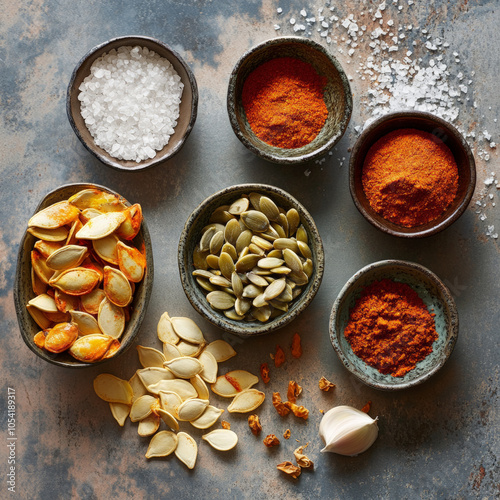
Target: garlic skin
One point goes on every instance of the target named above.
(347, 431)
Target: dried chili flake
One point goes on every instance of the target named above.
(271, 440)
(302, 460)
(233, 382)
(254, 424)
(325, 385)
(290, 469)
(287, 434)
(281, 407)
(279, 357)
(296, 347)
(264, 373)
(294, 390)
(225, 425)
(298, 411)
(367, 407)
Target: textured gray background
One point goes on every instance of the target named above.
(440, 440)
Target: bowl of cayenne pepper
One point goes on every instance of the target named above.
(289, 100)
(411, 174)
(394, 324)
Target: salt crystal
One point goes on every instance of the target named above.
(279, 10)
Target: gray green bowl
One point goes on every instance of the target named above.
(436, 297)
(23, 291)
(190, 238)
(337, 97)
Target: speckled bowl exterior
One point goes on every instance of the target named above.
(443, 132)
(187, 113)
(190, 237)
(23, 291)
(436, 297)
(337, 96)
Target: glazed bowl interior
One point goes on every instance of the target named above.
(443, 132)
(190, 238)
(337, 97)
(436, 297)
(187, 112)
(23, 291)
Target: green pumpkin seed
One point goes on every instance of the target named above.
(255, 200)
(283, 243)
(243, 240)
(270, 263)
(220, 300)
(292, 260)
(304, 249)
(236, 284)
(256, 221)
(256, 250)
(274, 289)
(269, 208)
(262, 314)
(216, 242)
(239, 206)
(251, 291)
(206, 238)
(301, 234)
(293, 218)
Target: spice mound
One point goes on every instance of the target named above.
(130, 102)
(283, 102)
(390, 328)
(410, 177)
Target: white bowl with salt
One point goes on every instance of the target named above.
(132, 102)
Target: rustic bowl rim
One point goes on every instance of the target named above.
(445, 298)
(195, 295)
(355, 169)
(276, 157)
(146, 285)
(94, 149)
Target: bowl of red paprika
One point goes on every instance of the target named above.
(411, 174)
(394, 324)
(289, 100)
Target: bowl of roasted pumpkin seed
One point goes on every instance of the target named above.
(84, 275)
(250, 259)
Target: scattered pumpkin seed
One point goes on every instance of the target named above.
(162, 444)
(245, 401)
(221, 439)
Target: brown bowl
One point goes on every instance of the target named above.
(188, 107)
(23, 290)
(337, 97)
(443, 131)
(190, 238)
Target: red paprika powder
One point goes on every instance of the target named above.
(410, 177)
(283, 102)
(390, 328)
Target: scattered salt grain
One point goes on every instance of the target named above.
(126, 117)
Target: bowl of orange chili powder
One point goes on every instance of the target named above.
(394, 324)
(411, 174)
(289, 100)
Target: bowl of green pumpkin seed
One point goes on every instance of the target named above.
(250, 259)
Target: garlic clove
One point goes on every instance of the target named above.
(347, 431)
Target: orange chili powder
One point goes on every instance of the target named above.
(283, 102)
(410, 177)
(390, 328)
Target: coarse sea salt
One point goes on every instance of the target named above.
(130, 102)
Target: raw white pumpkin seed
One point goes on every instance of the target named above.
(120, 412)
(142, 407)
(169, 419)
(153, 374)
(170, 351)
(165, 330)
(111, 319)
(150, 357)
(113, 389)
(137, 387)
(221, 439)
(117, 287)
(187, 330)
(201, 388)
(149, 425)
(186, 450)
(221, 350)
(210, 367)
(170, 401)
(188, 349)
(246, 401)
(191, 409)
(183, 388)
(208, 417)
(45, 303)
(162, 444)
(86, 323)
(184, 366)
(233, 382)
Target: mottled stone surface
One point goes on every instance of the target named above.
(440, 440)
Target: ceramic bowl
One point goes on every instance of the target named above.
(435, 296)
(188, 106)
(23, 290)
(337, 96)
(190, 238)
(442, 131)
